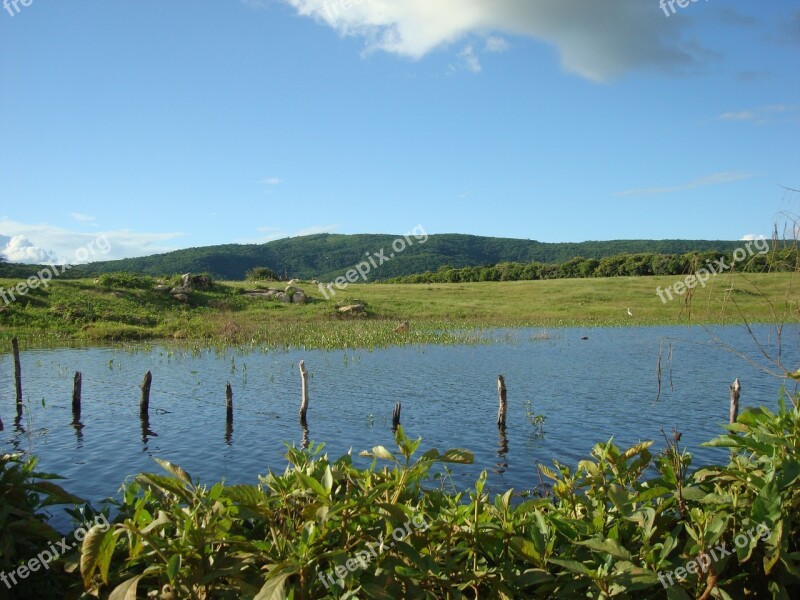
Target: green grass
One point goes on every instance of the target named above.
(70, 311)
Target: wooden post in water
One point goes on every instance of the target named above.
(736, 390)
(1, 424)
(144, 403)
(503, 400)
(229, 402)
(396, 416)
(17, 372)
(304, 391)
(76, 396)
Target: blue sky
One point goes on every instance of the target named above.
(174, 123)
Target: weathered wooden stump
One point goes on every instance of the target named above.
(229, 402)
(77, 383)
(503, 401)
(303, 391)
(736, 390)
(144, 403)
(17, 371)
(396, 416)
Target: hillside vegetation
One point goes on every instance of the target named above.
(326, 256)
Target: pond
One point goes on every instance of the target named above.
(588, 389)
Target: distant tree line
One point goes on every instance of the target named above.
(621, 265)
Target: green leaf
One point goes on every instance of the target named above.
(274, 588)
(379, 452)
(327, 479)
(607, 546)
(314, 485)
(573, 566)
(458, 455)
(525, 549)
(173, 568)
(245, 494)
(126, 590)
(90, 553)
(175, 470)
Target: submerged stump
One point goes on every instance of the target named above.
(503, 401)
(736, 390)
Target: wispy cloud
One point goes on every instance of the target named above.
(269, 234)
(766, 115)
(272, 181)
(82, 218)
(496, 44)
(715, 179)
(314, 229)
(748, 237)
(470, 59)
(595, 40)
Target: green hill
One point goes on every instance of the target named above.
(325, 256)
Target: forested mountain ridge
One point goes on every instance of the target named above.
(325, 256)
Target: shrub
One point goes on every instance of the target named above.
(261, 274)
(126, 280)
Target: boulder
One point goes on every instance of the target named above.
(162, 288)
(202, 282)
(184, 298)
(283, 297)
(352, 309)
(300, 298)
(259, 293)
(186, 281)
(293, 282)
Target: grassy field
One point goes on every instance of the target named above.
(82, 310)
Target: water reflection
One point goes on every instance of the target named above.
(77, 425)
(147, 433)
(502, 465)
(229, 431)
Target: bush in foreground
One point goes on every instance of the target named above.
(624, 523)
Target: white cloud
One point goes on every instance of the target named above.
(314, 229)
(595, 40)
(19, 249)
(766, 115)
(496, 44)
(44, 243)
(715, 179)
(471, 62)
(82, 218)
(271, 181)
(751, 237)
(269, 234)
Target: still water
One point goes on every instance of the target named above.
(589, 390)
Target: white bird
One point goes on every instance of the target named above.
(630, 314)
